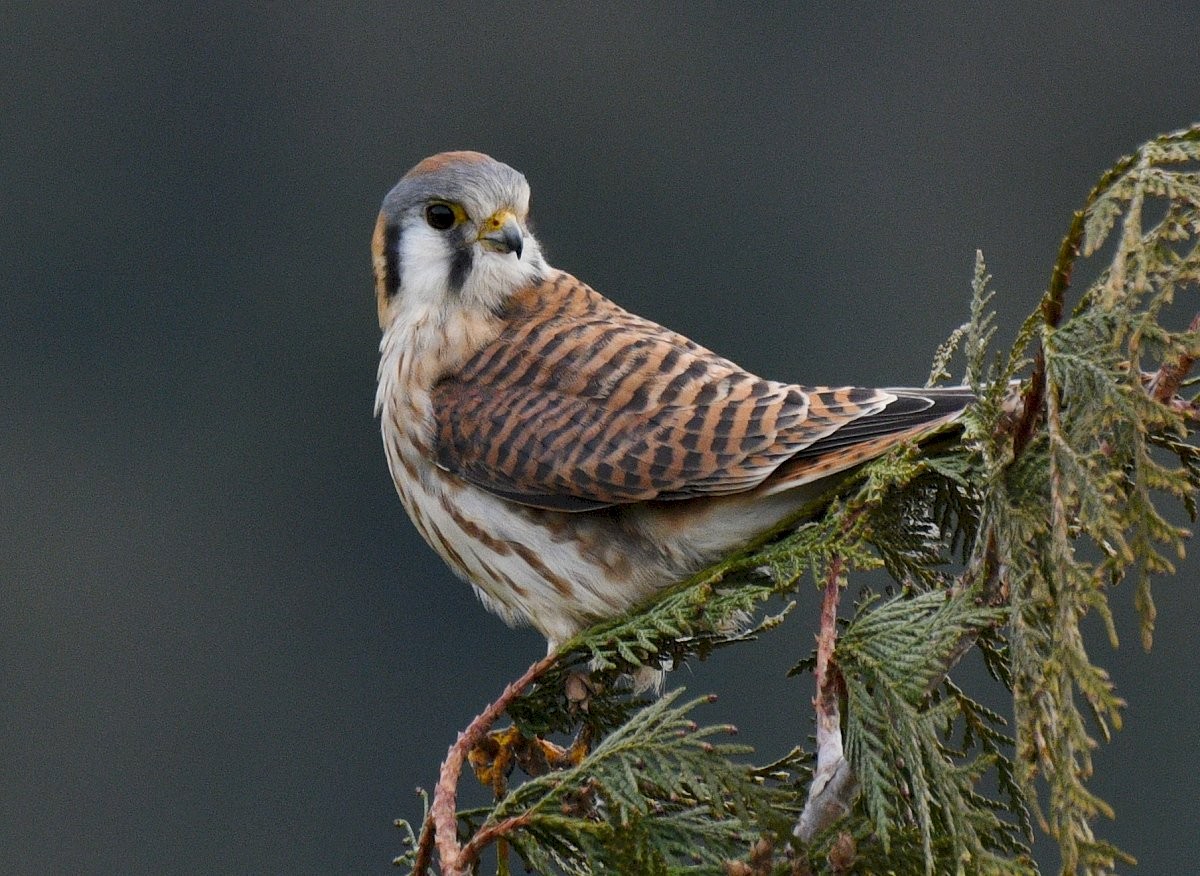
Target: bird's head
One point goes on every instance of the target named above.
(454, 234)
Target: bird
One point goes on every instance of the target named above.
(564, 456)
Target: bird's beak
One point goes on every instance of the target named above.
(502, 233)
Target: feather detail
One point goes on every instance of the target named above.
(578, 404)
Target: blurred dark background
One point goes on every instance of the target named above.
(223, 648)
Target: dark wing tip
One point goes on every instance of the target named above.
(927, 404)
(912, 408)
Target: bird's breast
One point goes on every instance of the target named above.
(553, 570)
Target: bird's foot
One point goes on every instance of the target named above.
(579, 688)
(493, 759)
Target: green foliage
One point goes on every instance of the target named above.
(1004, 539)
(655, 796)
(1077, 513)
(901, 714)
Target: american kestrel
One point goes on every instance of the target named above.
(564, 456)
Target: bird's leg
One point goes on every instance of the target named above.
(579, 688)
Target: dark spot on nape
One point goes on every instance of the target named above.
(460, 267)
(391, 256)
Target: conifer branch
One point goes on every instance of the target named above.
(1048, 499)
(1053, 302)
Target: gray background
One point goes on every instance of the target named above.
(222, 646)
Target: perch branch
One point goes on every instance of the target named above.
(441, 825)
(490, 834)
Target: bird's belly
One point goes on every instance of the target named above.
(556, 571)
(560, 571)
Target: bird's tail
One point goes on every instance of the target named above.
(912, 414)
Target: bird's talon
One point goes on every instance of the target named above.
(492, 759)
(579, 689)
(581, 747)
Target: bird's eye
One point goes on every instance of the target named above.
(440, 216)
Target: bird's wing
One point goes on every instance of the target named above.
(579, 405)
(913, 414)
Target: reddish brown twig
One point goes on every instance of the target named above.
(441, 825)
(833, 785)
(490, 834)
(1053, 303)
(1167, 380)
(825, 701)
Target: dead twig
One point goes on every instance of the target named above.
(833, 785)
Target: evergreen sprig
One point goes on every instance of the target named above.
(657, 795)
(1092, 477)
(894, 657)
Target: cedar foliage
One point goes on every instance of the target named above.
(1004, 539)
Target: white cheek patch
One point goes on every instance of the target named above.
(424, 267)
(427, 263)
